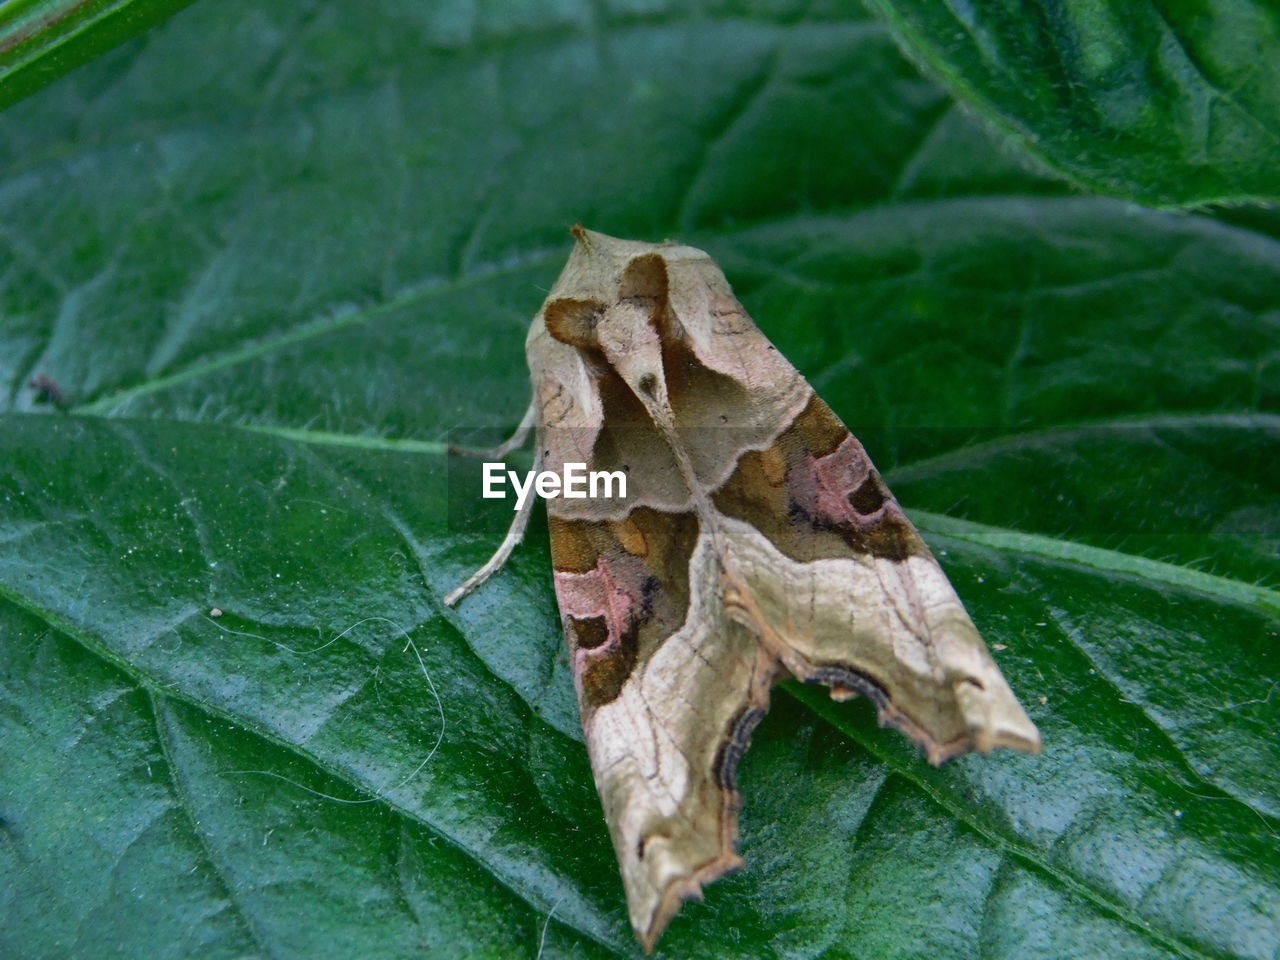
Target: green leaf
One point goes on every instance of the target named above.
(270, 294)
(1169, 103)
(40, 40)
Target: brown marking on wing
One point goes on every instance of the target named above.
(645, 281)
(870, 495)
(602, 674)
(631, 537)
(622, 588)
(572, 547)
(831, 500)
(818, 429)
(773, 466)
(573, 321)
(588, 633)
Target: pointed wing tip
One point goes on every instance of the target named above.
(984, 741)
(994, 716)
(594, 239)
(678, 890)
(1014, 731)
(1023, 739)
(1008, 726)
(598, 244)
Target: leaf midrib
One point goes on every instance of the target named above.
(1223, 589)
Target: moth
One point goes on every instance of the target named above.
(756, 542)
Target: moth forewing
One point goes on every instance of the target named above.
(756, 540)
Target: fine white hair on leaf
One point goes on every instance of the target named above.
(542, 940)
(426, 675)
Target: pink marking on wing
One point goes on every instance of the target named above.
(822, 489)
(599, 593)
(582, 595)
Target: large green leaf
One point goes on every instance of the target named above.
(1171, 102)
(276, 255)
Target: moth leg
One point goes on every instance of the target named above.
(499, 559)
(513, 442)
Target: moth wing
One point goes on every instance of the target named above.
(839, 584)
(670, 689)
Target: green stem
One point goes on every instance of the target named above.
(40, 40)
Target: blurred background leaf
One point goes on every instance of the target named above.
(40, 40)
(1170, 103)
(274, 257)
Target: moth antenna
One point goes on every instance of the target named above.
(515, 533)
(513, 442)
